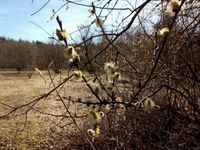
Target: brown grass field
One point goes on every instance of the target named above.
(38, 129)
(43, 126)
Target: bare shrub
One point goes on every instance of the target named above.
(145, 89)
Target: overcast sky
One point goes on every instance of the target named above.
(15, 18)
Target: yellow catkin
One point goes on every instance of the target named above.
(94, 117)
(149, 103)
(97, 132)
(78, 75)
(164, 31)
(106, 108)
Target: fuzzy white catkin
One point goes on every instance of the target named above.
(110, 68)
(172, 7)
(91, 132)
(62, 35)
(99, 22)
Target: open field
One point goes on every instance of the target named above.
(47, 125)
(35, 130)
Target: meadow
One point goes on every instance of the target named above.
(47, 124)
(39, 126)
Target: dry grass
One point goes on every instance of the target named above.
(161, 128)
(17, 89)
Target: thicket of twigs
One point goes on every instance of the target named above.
(145, 75)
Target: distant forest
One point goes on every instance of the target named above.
(23, 55)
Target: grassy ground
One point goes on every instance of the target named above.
(32, 131)
(159, 128)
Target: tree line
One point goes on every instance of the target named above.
(24, 55)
